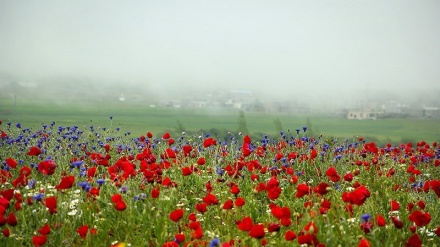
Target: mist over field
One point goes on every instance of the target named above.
(325, 55)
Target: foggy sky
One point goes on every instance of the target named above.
(303, 49)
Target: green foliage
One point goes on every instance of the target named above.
(242, 124)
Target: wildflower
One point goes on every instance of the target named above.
(11, 219)
(82, 231)
(302, 189)
(51, 204)
(11, 162)
(34, 151)
(289, 235)
(6, 232)
(257, 231)
(100, 181)
(39, 240)
(45, 230)
(66, 183)
(414, 241)
(214, 243)
(155, 193)
(239, 202)
(176, 215)
(419, 218)
(245, 224)
(47, 167)
(380, 220)
(364, 243)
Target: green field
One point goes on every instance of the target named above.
(139, 118)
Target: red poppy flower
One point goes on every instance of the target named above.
(397, 222)
(348, 177)
(180, 237)
(333, 174)
(120, 206)
(11, 219)
(201, 207)
(155, 193)
(197, 233)
(186, 171)
(39, 240)
(322, 188)
(176, 215)
(246, 151)
(34, 151)
(82, 231)
(302, 189)
(7, 194)
(91, 172)
(308, 239)
(421, 204)
(169, 153)
(165, 136)
(313, 154)
(45, 230)
(357, 197)
(310, 228)
(210, 199)
(6, 232)
(201, 161)
(414, 241)
(380, 220)
(51, 204)
(209, 142)
(419, 218)
(366, 226)
(289, 235)
(47, 167)
(239, 202)
(66, 183)
(273, 227)
(94, 192)
(11, 162)
(395, 206)
(234, 189)
(274, 193)
(228, 205)
(25, 171)
(116, 198)
(3, 134)
(364, 243)
(245, 224)
(257, 231)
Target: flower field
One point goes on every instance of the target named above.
(96, 186)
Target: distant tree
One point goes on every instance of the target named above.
(278, 125)
(242, 124)
(180, 128)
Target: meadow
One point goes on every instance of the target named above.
(138, 117)
(112, 175)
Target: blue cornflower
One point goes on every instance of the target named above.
(365, 217)
(38, 197)
(123, 189)
(304, 128)
(214, 243)
(31, 183)
(77, 163)
(100, 181)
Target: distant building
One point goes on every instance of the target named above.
(361, 114)
(431, 112)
